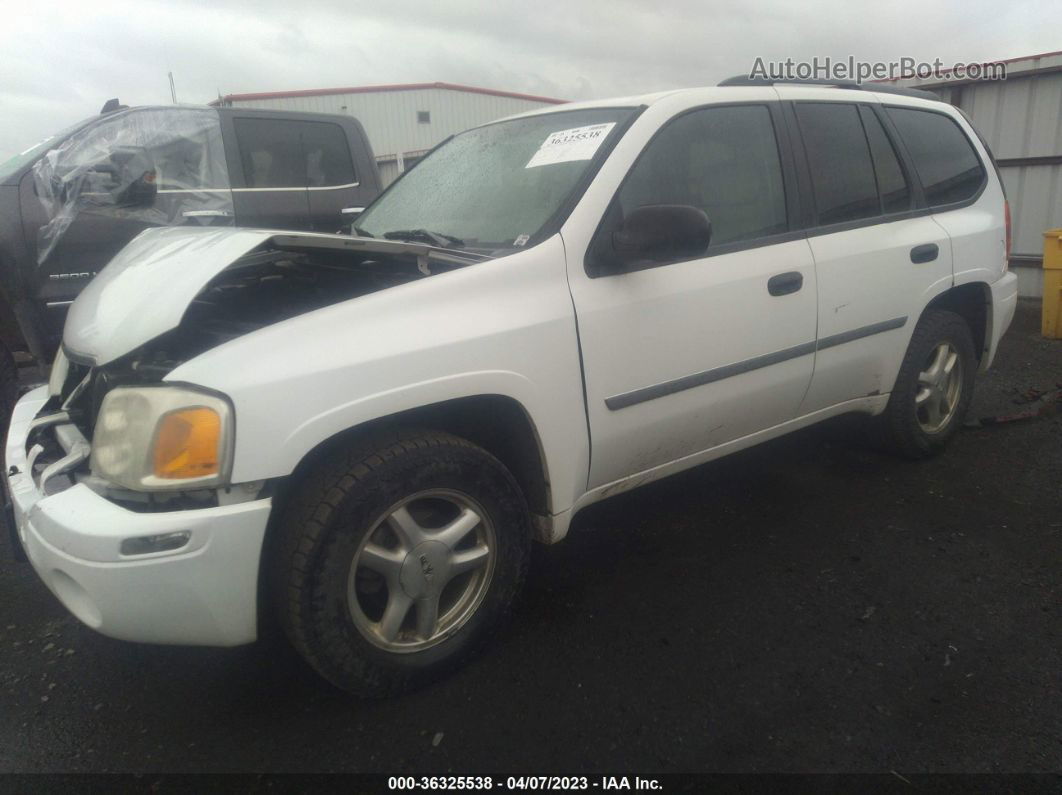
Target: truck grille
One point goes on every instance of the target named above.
(55, 449)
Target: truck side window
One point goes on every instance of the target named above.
(842, 175)
(943, 156)
(722, 160)
(192, 161)
(282, 153)
(327, 155)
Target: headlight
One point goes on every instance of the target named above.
(163, 438)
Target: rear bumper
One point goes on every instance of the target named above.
(202, 594)
(1004, 302)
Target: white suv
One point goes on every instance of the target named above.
(362, 435)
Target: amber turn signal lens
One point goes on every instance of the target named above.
(187, 444)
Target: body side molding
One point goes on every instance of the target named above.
(665, 388)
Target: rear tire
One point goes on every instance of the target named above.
(398, 558)
(933, 389)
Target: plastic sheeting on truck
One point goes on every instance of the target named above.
(159, 166)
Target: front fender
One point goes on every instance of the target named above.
(503, 327)
(267, 449)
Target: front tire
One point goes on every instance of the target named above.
(933, 389)
(398, 558)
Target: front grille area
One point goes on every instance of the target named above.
(55, 450)
(58, 447)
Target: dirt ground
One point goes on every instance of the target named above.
(810, 605)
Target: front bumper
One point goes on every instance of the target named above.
(205, 593)
(1004, 303)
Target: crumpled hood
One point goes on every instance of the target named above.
(144, 291)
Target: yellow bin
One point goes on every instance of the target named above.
(1052, 312)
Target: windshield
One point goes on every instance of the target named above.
(495, 186)
(15, 162)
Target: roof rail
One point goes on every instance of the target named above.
(746, 80)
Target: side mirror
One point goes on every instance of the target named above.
(134, 176)
(662, 233)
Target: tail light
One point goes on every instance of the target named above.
(1006, 251)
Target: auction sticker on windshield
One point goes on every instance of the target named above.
(563, 146)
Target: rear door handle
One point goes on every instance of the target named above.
(924, 253)
(785, 283)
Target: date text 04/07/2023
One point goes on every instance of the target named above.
(520, 783)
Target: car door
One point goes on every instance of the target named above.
(269, 176)
(181, 179)
(877, 258)
(341, 178)
(687, 355)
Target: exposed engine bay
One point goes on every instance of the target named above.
(268, 285)
(278, 280)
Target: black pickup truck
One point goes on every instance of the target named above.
(68, 204)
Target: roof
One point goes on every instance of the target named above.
(318, 92)
(759, 92)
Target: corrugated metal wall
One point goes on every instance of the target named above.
(390, 117)
(1021, 118)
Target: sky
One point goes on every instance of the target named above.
(59, 61)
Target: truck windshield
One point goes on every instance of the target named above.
(11, 165)
(494, 187)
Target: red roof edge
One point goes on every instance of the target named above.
(983, 63)
(319, 92)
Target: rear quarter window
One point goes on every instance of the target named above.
(947, 165)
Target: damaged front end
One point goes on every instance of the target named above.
(113, 422)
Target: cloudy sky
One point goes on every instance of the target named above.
(61, 60)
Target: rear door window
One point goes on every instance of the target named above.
(842, 173)
(327, 155)
(945, 160)
(283, 153)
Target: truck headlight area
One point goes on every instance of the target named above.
(163, 438)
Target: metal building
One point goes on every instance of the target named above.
(1021, 118)
(402, 121)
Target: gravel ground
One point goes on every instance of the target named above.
(810, 605)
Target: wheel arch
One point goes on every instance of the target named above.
(973, 303)
(498, 423)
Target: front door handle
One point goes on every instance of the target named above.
(924, 253)
(207, 214)
(785, 283)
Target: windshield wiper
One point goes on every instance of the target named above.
(425, 236)
(362, 232)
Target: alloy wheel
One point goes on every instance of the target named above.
(422, 571)
(939, 388)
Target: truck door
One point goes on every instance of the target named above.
(878, 262)
(298, 172)
(683, 356)
(268, 166)
(340, 172)
(129, 171)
